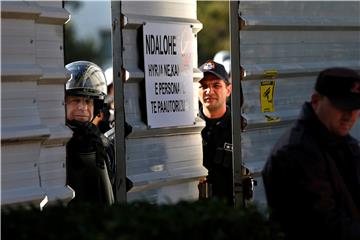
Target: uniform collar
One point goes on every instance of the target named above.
(222, 121)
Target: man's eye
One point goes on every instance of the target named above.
(88, 101)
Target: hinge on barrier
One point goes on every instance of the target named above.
(271, 73)
(249, 184)
(243, 122)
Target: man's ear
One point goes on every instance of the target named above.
(229, 89)
(100, 115)
(315, 98)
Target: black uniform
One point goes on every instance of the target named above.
(105, 124)
(312, 182)
(217, 155)
(90, 166)
(110, 135)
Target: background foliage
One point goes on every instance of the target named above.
(215, 35)
(81, 49)
(76, 49)
(137, 221)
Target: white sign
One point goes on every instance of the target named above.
(168, 74)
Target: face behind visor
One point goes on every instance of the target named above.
(87, 82)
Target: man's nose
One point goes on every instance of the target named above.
(209, 89)
(82, 105)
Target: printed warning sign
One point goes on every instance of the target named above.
(168, 69)
(267, 88)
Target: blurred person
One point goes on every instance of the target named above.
(106, 119)
(107, 123)
(312, 176)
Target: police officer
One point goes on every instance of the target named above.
(90, 155)
(214, 89)
(312, 176)
(106, 119)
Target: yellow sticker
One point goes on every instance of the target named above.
(267, 95)
(272, 118)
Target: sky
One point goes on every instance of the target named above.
(91, 17)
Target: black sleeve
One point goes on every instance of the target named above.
(301, 193)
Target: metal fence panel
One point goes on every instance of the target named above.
(294, 40)
(32, 111)
(165, 163)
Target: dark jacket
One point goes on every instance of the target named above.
(312, 182)
(90, 166)
(110, 135)
(217, 155)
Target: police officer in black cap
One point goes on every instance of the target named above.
(312, 176)
(214, 89)
(90, 155)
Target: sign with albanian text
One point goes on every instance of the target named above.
(168, 74)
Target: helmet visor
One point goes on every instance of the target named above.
(86, 79)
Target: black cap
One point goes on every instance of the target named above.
(215, 68)
(341, 86)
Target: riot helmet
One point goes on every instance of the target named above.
(87, 80)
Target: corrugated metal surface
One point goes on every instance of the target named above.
(20, 173)
(50, 95)
(297, 39)
(165, 164)
(32, 111)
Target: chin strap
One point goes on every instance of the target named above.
(76, 125)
